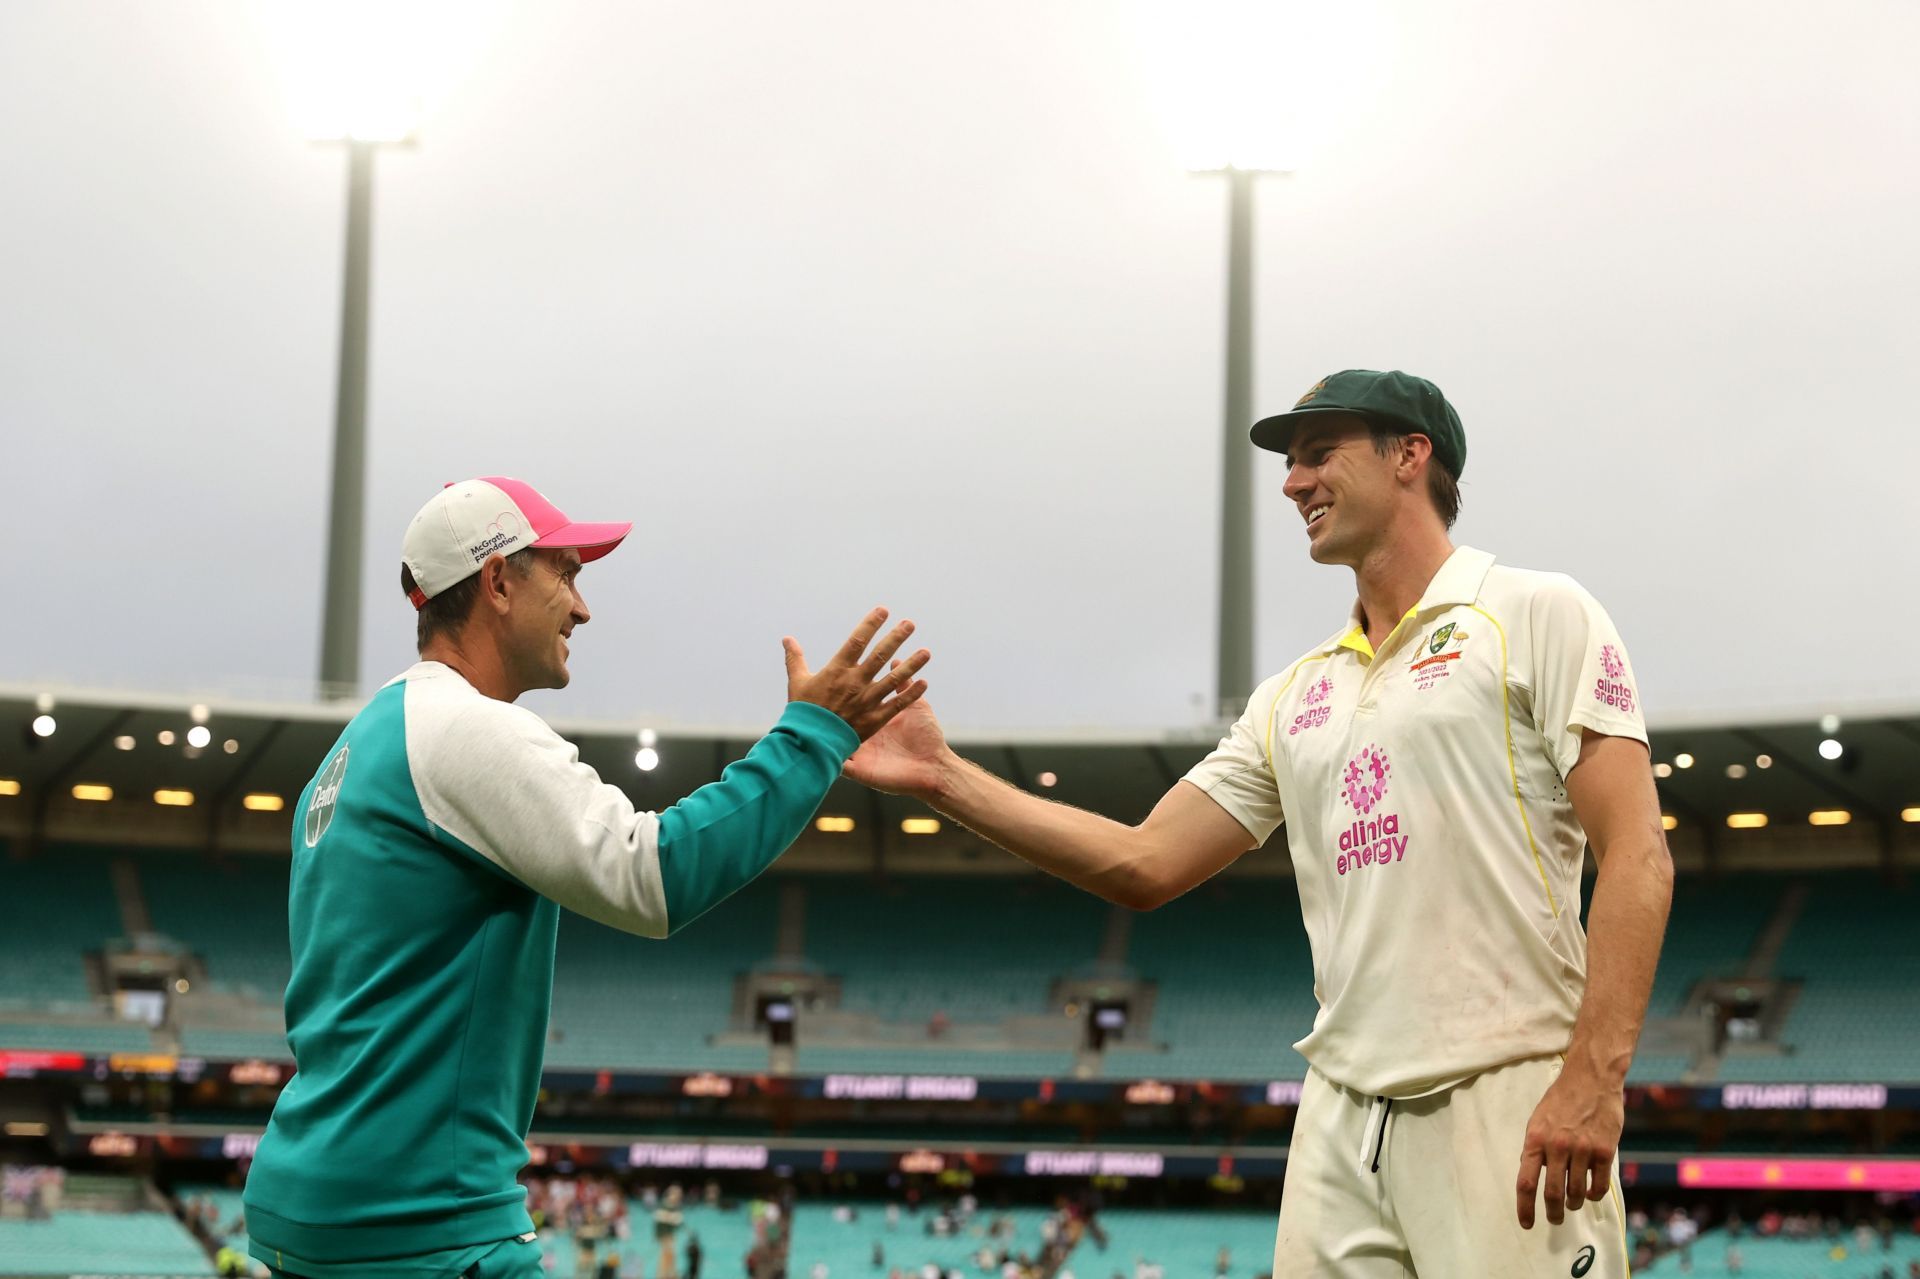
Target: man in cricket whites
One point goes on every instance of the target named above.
(1442, 762)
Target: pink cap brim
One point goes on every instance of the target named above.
(591, 540)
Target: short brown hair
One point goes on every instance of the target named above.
(1442, 486)
(446, 613)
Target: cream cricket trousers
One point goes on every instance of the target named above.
(1424, 1188)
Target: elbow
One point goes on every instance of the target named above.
(1142, 890)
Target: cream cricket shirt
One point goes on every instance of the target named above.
(1437, 853)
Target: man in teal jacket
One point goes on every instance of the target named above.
(432, 853)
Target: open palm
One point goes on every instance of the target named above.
(905, 757)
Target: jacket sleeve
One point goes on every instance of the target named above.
(718, 839)
(504, 785)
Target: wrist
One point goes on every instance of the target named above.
(1589, 1062)
(947, 781)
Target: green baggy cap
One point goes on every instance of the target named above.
(1397, 400)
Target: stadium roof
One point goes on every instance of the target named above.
(137, 744)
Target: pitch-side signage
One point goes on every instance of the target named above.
(901, 1087)
(1094, 1163)
(1803, 1097)
(654, 1154)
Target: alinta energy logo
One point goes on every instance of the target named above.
(497, 536)
(1612, 689)
(326, 797)
(1317, 712)
(1370, 840)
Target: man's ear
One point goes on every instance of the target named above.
(493, 585)
(1414, 449)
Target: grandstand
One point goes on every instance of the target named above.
(1759, 1258)
(942, 1003)
(1217, 991)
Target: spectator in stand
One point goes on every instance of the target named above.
(1223, 1262)
(693, 1257)
(1735, 1260)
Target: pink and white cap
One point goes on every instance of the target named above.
(466, 523)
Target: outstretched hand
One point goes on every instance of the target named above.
(907, 757)
(856, 685)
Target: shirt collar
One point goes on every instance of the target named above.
(1457, 582)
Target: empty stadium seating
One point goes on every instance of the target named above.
(1186, 1242)
(1786, 1258)
(934, 1059)
(232, 911)
(101, 1243)
(978, 949)
(1229, 962)
(1715, 924)
(1234, 980)
(847, 1247)
(625, 1001)
(53, 909)
(1856, 950)
(21, 1031)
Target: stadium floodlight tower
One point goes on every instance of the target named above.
(346, 517)
(1233, 672)
(1241, 83)
(361, 121)
(356, 75)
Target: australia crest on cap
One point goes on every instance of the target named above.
(1312, 391)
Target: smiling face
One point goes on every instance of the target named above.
(1347, 493)
(546, 606)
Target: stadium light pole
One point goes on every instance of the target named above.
(1233, 670)
(1245, 89)
(346, 515)
(359, 73)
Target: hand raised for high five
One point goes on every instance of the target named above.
(909, 756)
(856, 685)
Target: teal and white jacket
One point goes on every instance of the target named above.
(432, 853)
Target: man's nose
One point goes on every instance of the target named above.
(1299, 481)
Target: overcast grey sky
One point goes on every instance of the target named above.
(897, 302)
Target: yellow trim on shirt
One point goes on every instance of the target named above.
(1273, 711)
(1356, 639)
(1513, 767)
(1620, 1212)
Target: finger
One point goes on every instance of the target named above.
(849, 654)
(1600, 1176)
(885, 649)
(1577, 1169)
(1527, 1190)
(796, 660)
(1554, 1192)
(903, 672)
(894, 705)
